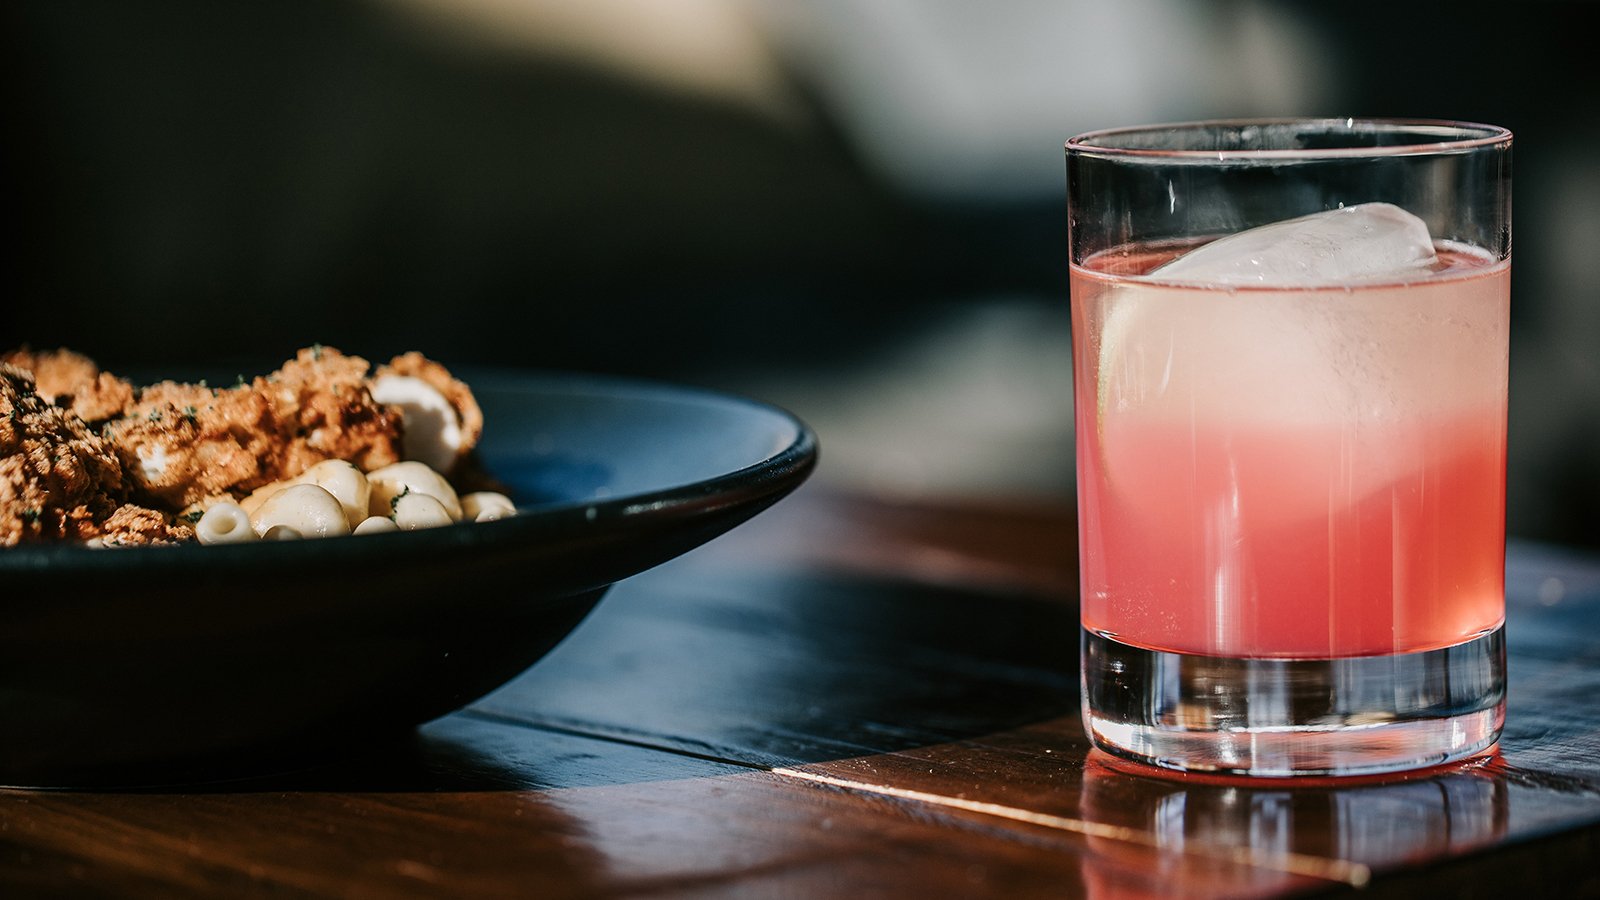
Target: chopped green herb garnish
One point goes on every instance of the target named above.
(31, 516)
(193, 517)
(316, 352)
(394, 502)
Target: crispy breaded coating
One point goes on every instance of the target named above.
(73, 382)
(58, 480)
(132, 526)
(325, 410)
(180, 443)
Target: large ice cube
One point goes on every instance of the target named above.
(1364, 243)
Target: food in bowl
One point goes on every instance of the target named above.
(324, 446)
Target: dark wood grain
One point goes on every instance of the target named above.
(849, 697)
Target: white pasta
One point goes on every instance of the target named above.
(345, 482)
(334, 498)
(306, 508)
(376, 525)
(414, 511)
(261, 494)
(403, 478)
(224, 523)
(486, 506)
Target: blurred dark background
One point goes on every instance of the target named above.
(851, 208)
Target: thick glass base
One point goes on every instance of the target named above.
(1284, 717)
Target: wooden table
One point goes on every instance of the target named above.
(852, 698)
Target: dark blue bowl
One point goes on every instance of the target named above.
(153, 665)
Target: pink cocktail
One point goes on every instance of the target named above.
(1291, 444)
(1278, 513)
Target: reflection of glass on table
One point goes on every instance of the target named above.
(1339, 832)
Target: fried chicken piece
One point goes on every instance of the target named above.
(325, 410)
(58, 480)
(181, 443)
(134, 525)
(442, 419)
(73, 382)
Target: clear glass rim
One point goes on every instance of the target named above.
(1455, 137)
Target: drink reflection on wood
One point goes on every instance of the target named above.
(1377, 825)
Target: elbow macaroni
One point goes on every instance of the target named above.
(392, 482)
(414, 511)
(486, 506)
(306, 508)
(335, 498)
(281, 533)
(224, 523)
(376, 525)
(345, 482)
